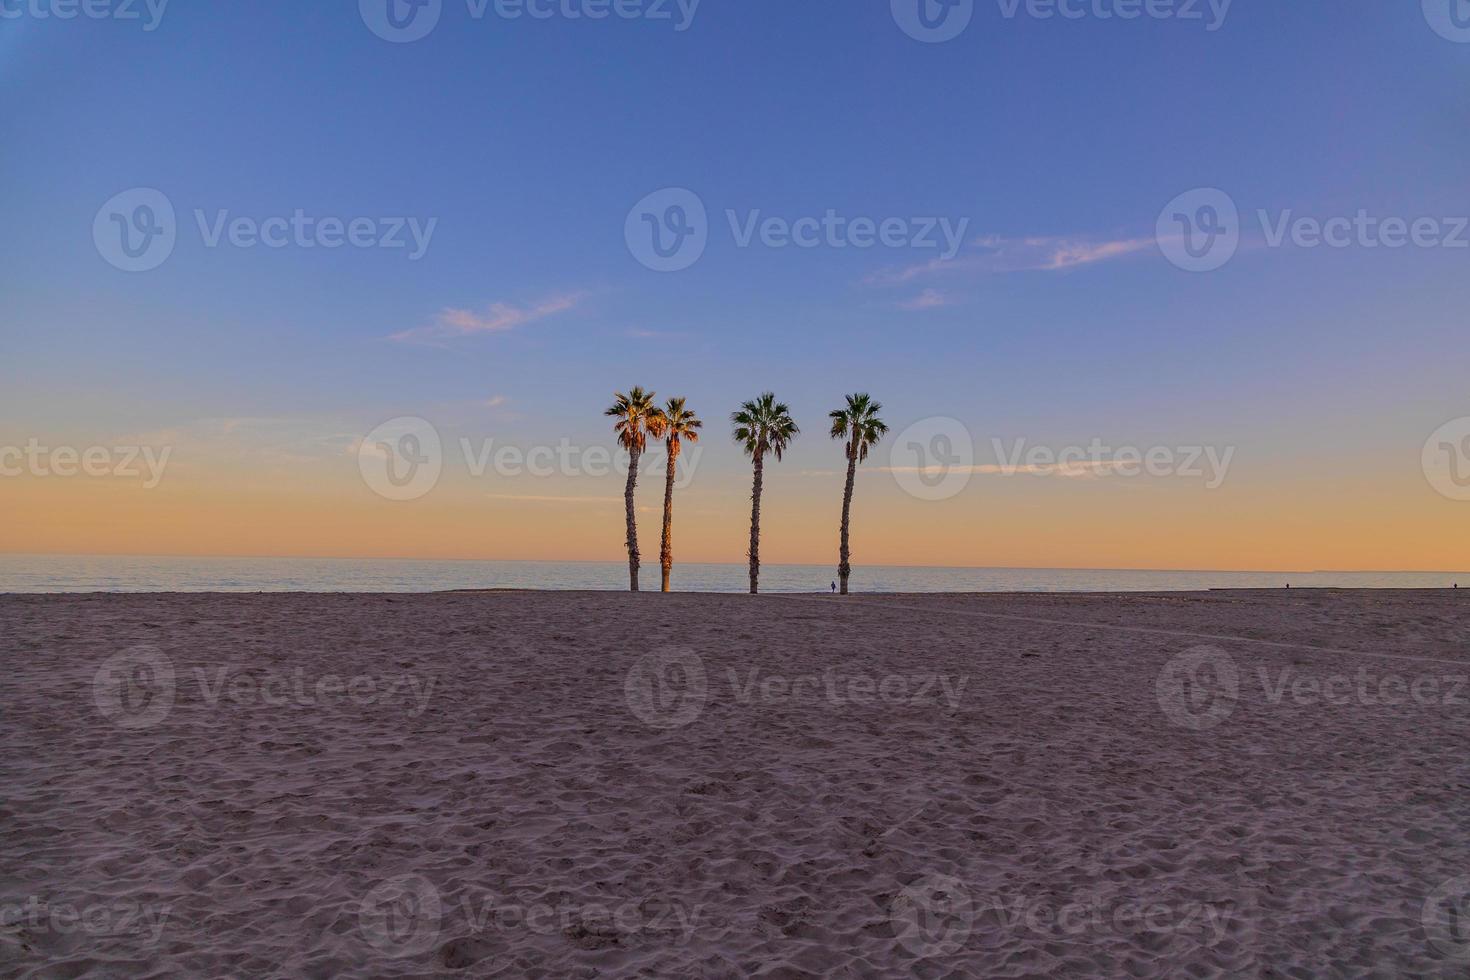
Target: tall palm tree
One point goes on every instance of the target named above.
(674, 425)
(636, 415)
(761, 426)
(860, 428)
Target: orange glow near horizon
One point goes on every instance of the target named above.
(1381, 522)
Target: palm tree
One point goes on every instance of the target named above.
(636, 415)
(761, 426)
(860, 427)
(674, 424)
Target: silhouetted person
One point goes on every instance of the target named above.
(834, 588)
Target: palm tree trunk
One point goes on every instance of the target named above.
(755, 525)
(844, 555)
(666, 547)
(633, 455)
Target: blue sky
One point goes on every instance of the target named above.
(529, 141)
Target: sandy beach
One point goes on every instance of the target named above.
(584, 784)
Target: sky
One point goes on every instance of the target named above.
(1027, 228)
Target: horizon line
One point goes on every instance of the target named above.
(738, 563)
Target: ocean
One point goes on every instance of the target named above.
(111, 573)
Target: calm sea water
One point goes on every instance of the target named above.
(70, 573)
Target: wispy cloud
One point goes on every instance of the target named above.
(641, 334)
(1078, 470)
(994, 255)
(496, 401)
(259, 442)
(541, 499)
(545, 499)
(496, 318)
(929, 299)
